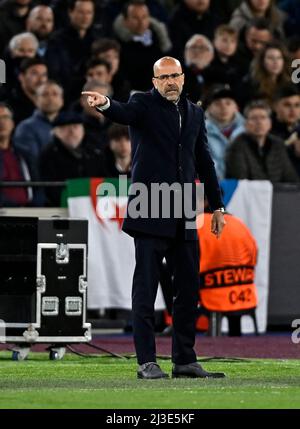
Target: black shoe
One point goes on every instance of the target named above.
(151, 370)
(194, 370)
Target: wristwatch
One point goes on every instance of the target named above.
(221, 209)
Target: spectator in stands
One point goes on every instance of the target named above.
(191, 17)
(198, 55)
(293, 148)
(67, 156)
(95, 125)
(143, 40)
(98, 70)
(33, 72)
(291, 7)
(287, 111)
(40, 22)
(222, 124)
(12, 166)
(256, 154)
(62, 20)
(13, 15)
(118, 152)
(224, 67)
(23, 45)
(69, 48)
(270, 70)
(109, 50)
(34, 133)
(254, 39)
(267, 9)
(157, 9)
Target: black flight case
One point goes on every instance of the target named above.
(43, 283)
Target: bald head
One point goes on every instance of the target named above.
(168, 78)
(165, 62)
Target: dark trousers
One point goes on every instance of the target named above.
(149, 252)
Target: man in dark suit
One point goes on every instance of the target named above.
(169, 145)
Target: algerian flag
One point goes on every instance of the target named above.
(111, 258)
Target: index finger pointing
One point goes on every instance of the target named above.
(88, 93)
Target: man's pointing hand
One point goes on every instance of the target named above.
(95, 99)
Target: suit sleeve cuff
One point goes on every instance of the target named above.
(105, 106)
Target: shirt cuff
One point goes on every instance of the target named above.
(105, 106)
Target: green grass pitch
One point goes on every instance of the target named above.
(111, 383)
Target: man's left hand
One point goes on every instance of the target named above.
(217, 223)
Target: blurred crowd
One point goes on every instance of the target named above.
(241, 60)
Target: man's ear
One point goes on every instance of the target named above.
(153, 81)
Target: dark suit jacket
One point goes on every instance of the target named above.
(162, 153)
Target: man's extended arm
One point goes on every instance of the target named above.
(130, 113)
